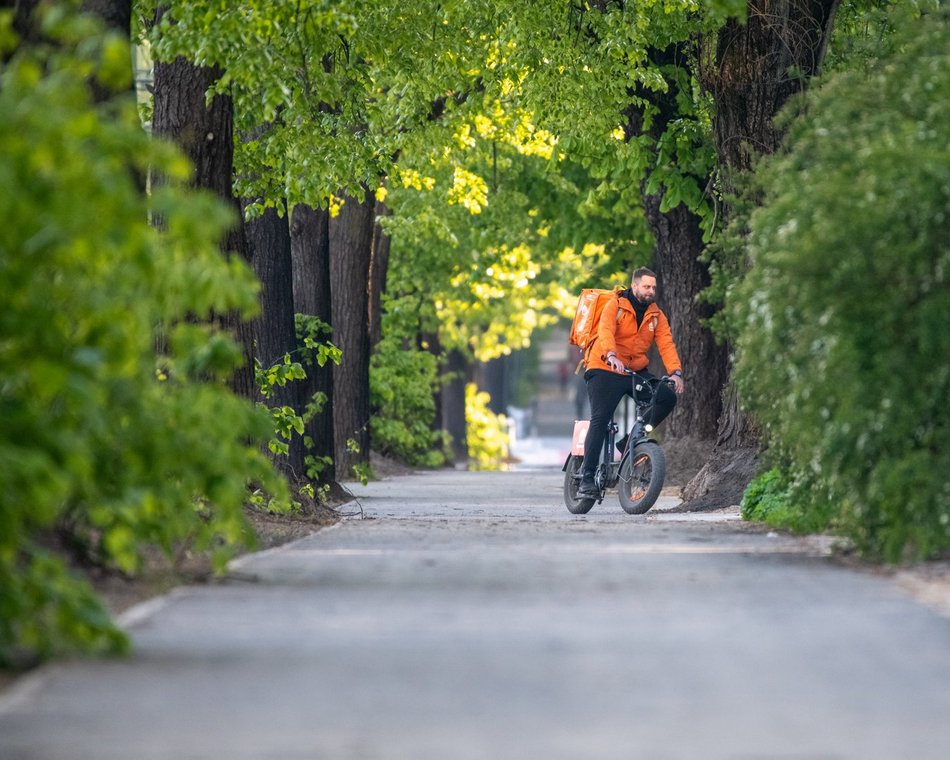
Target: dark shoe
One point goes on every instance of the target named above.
(587, 488)
(622, 443)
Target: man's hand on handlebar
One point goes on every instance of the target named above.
(614, 363)
(678, 384)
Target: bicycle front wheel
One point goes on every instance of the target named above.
(641, 478)
(572, 479)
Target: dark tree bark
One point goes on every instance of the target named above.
(351, 242)
(310, 246)
(205, 133)
(116, 14)
(493, 379)
(23, 22)
(459, 372)
(268, 240)
(681, 274)
(755, 68)
(431, 342)
(379, 266)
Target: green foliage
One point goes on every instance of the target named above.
(46, 611)
(772, 497)
(362, 470)
(487, 432)
(285, 419)
(403, 384)
(316, 349)
(114, 446)
(842, 340)
(766, 495)
(866, 30)
(489, 274)
(509, 115)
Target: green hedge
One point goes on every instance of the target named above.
(102, 441)
(404, 382)
(843, 346)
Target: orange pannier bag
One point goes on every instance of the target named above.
(590, 304)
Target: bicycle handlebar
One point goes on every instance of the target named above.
(631, 373)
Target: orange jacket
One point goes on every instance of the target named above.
(618, 332)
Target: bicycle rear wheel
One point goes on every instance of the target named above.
(641, 478)
(572, 479)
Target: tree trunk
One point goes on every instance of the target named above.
(310, 245)
(493, 379)
(681, 276)
(117, 16)
(432, 343)
(458, 370)
(756, 67)
(351, 241)
(268, 241)
(379, 267)
(759, 65)
(205, 134)
(24, 24)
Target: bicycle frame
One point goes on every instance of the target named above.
(608, 470)
(640, 471)
(639, 430)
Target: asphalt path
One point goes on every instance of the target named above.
(469, 615)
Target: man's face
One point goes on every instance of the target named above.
(644, 289)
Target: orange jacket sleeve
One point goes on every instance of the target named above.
(666, 346)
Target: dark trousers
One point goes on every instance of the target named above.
(606, 390)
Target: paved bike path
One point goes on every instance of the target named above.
(470, 616)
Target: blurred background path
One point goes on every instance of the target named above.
(542, 436)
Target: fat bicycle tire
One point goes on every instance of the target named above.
(641, 478)
(575, 505)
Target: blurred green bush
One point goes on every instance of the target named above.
(109, 445)
(843, 346)
(403, 388)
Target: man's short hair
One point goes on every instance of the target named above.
(643, 272)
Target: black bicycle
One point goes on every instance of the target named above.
(641, 470)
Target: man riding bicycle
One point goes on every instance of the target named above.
(629, 324)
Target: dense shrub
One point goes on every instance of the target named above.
(403, 385)
(843, 347)
(767, 499)
(102, 441)
(772, 497)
